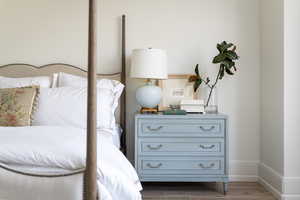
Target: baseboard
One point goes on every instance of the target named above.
(271, 179)
(243, 171)
(283, 188)
(270, 188)
(291, 188)
(290, 197)
(242, 178)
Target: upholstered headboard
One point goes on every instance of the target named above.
(25, 70)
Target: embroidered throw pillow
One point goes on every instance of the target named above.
(17, 105)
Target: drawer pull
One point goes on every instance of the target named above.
(207, 147)
(154, 148)
(207, 129)
(154, 167)
(154, 129)
(207, 167)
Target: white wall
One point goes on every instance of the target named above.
(280, 138)
(272, 62)
(42, 31)
(292, 87)
(292, 98)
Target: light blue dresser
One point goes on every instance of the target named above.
(181, 148)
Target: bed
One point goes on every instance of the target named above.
(83, 164)
(117, 178)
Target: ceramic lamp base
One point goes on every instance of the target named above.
(149, 95)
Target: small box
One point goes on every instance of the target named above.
(192, 106)
(174, 112)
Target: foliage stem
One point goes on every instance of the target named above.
(212, 87)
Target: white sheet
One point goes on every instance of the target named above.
(64, 148)
(116, 136)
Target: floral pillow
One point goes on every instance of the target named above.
(17, 105)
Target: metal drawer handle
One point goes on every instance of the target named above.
(154, 148)
(207, 167)
(154, 129)
(207, 129)
(154, 167)
(207, 147)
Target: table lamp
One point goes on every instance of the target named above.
(150, 64)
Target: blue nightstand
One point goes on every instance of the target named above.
(182, 148)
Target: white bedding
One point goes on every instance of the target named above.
(116, 136)
(63, 148)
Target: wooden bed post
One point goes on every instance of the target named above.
(123, 80)
(90, 180)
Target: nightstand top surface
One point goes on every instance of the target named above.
(160, 115)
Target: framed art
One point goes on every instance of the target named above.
(175, 89)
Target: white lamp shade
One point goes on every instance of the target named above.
(149, 63)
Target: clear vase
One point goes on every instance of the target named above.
(211, 100)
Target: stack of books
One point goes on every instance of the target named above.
(192, 106)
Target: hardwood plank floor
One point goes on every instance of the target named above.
(204, 191)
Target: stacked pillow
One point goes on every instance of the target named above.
(41, 81)
(66, 103)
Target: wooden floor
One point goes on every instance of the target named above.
(198, 191)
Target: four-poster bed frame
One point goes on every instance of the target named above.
(23, 70)
(90, 176)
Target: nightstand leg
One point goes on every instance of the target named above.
(225, 188)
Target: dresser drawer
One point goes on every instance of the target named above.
(181, 128)
(181, 165)
(181, 146)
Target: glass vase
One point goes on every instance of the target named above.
(211, 100)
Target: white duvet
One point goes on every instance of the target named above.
(64, 148)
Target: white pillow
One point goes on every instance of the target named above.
(42, 81)
(54, 80)
(67, 106)
(68, 80)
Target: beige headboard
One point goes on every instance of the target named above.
(24, 70)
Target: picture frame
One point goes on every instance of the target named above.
(175, 89)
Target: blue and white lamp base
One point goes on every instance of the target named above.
(149, 96)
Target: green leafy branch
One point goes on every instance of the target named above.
(226, 58)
